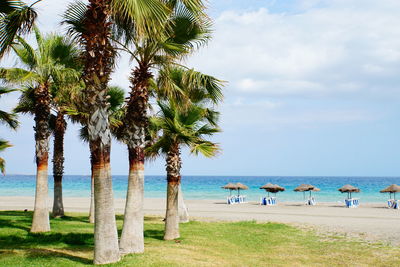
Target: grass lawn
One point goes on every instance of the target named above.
(202, 244)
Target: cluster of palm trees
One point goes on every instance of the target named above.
(67, 77)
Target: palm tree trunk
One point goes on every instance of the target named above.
(40, 221)
(91, 210)
(99, 58)
(174, 180)
(58, 164)
(132, 238)
(105, 234)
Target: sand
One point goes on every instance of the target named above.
(371, 221)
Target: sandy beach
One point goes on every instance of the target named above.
(371, 221)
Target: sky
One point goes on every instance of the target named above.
(312, 89)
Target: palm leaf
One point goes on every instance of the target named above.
(16, 18)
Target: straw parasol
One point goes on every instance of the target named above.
(349, 189)
(306, 187)
(231, 187)
(272, 188)
(394, 188)
(241, 187)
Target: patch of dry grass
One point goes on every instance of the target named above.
(202, 244)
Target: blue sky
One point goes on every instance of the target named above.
(313, 89)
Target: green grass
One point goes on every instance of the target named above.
(202, 244)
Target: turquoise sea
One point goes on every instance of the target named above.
(209, 187)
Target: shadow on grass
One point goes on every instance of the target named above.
(20, 224)
(45, 239)
(84, 219)
(22, 220)
(46, 253)
(154, 234)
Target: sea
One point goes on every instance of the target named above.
(209, 187)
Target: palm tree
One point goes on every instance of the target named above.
(91, 24)
(184, 90)
(180, 128)
(42, 68)
(10, 120)
(61, 93)
(185, 27)
(76, 112)
(16, 18)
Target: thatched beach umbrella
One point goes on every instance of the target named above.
(231, 187)
(394, 188)
(241, 187)
(349, 189)
(272, 188)
(306, 187)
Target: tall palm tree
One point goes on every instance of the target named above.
(42, 68)
(185, 26)
(91, 24)
(179, 128)
(9, 119)
(185, 89)
(16, 18)
(76, 112)
(61, 93)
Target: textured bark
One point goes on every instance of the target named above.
(99, 56)
(105, 234)
(136, 121)
(91, 211)
(58, 164)
(183, 211)
(174, 180)
(132, 237)
(40, 221)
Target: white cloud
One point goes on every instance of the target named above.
(336, 47)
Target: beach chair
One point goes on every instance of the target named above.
(272, 201)
(311, 201)
(352, 202)
(390, 203)
(395, 204)
(232, 200)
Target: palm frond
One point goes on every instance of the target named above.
(9, 119)
(74, 19)
(148, 15)
(208, 149)
(16, 18)
(26, 103)
(25, 53)
(3, 145)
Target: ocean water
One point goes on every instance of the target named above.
(209, 187)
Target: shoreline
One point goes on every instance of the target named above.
(370, 221)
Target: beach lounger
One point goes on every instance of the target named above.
(268, 201)
(311, 201)
(352, 202)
